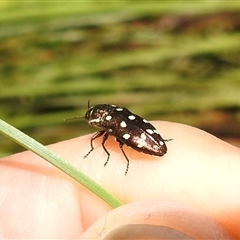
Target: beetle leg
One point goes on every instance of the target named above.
(104, 139)
(95, 136)
(121, 147)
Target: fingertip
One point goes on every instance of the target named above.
(154, 219)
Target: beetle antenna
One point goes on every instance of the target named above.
(72, 118)
(77, 117)
(88, 103)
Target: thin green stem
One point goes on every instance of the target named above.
(34, 146)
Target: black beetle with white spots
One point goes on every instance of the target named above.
(127, 128)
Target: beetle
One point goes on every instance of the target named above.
(127, 127)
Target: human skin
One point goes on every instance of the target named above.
(194, 188)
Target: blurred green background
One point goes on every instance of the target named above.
(170, 60)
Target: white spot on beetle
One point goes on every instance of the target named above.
(123, 124)
(97, 120)
(155, 131)
(126, 136)
(143, 136)
(161, 143)
(131, 117)
(119, 109)
(150, 131)
(155, 147)
(144, 120)
(109, 130)
(108, 117)
(140, 143)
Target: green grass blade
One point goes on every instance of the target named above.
(34, 146)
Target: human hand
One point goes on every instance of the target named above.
(195, 184)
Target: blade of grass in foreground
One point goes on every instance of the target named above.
(34, 146)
